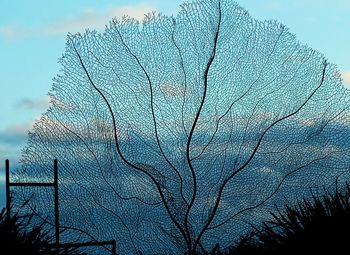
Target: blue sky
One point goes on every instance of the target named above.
(32, 38)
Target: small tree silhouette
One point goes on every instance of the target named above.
(171, 133)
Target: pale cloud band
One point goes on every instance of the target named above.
(34, 104)
(96, 20)
(88, 18)
(346, 78)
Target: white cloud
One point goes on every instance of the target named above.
(88, 18)
(346, 78)
(95, 19)
(19, 129)
(36, 104)
(12, 140)
(8, 31)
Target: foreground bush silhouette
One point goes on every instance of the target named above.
(317, 226)
(17, 237)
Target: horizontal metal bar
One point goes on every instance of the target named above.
(32, 184)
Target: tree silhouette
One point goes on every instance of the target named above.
(176, 131)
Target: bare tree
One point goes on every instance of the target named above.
(180, 133)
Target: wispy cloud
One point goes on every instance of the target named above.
(12, 140)
(346, 78)
(95, 19)
(34, 104)
(9, 31)
(88, 18)
(14, 136)
(18, 129)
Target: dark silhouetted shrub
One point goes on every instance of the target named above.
(17, 236)
(317, 226)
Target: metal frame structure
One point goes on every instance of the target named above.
(53, 184)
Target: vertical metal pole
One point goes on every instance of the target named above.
(8, 196)
(57, 221)
(114, 248)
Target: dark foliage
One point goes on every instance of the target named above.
(18, 237)
(317, 226)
